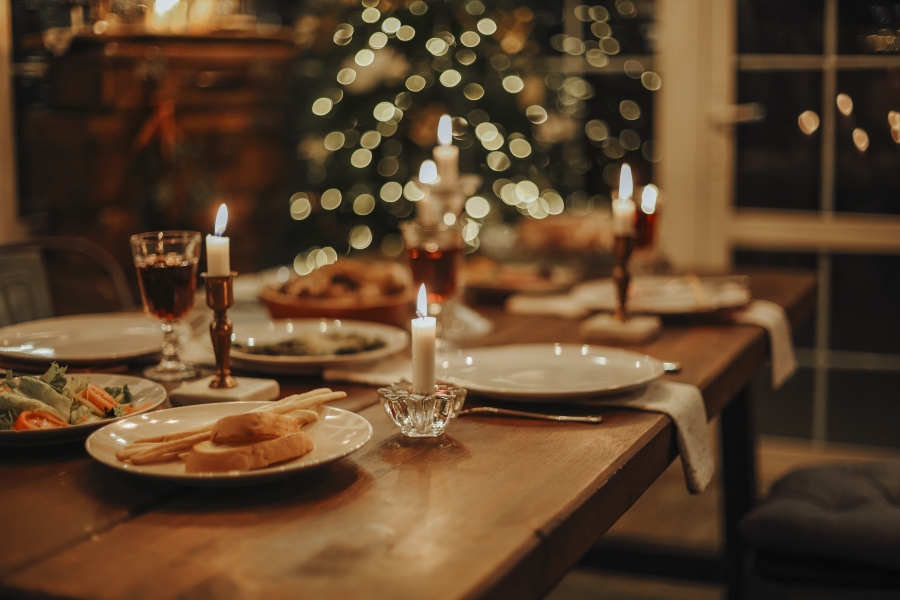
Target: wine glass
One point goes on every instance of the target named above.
(166, 263)
(436, 259)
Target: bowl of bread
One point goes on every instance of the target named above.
(348, 289)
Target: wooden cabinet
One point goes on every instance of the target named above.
(144, 132)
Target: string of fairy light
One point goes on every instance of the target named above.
(529, 189)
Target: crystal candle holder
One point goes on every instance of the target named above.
(422, 415)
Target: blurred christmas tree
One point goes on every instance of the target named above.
(379, 75)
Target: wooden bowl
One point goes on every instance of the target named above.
(396, 309)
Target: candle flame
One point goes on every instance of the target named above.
(626, 184)
(221, 219)
(428, 172)
(445, 130)
(422, 303)
(648, 199)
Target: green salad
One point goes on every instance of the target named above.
(54, 400)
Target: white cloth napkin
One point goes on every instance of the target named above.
(684, 405)
(773, 319)
(196, 352)
(564, 306)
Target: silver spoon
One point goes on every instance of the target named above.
(529, 415)
(672, 367)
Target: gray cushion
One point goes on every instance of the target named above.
(847, 513)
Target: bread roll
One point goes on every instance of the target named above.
(253, 427)
(208, 457)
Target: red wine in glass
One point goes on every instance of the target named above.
(438, 270)
(167, 286)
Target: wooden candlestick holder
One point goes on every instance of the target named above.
(220, 297)
(623, 246)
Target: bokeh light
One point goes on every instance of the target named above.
(844, 104)
(322, 106)
(361, 158)
(331, 199)
(346, 76)
(300, 206)
(364, 204)
(808, 122)
(364, 57)
(360, 237)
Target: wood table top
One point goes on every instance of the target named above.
(494, 508)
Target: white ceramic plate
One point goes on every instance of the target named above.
(662, 295)
(545, 372)
(143, 391)
(82, 339)
(274, 331)
(336, 434)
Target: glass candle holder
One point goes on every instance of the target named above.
(422, 415)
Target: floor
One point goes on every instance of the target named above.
(666, 513)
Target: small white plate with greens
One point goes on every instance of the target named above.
(55, 408)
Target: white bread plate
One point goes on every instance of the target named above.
(336, 434)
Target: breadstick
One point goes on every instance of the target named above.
(306, 403)
(160, 451)
(274, 405)
(127, 452)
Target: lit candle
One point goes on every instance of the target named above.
(648, 199)
(218, 259)
(446, 155)
(623, 207)
(423, 343)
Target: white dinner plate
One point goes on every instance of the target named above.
(665, 295)
(336, 434)
(544, 372)
(142, 390)
(82, 339)
(275, 331)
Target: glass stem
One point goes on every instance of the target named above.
(170, 343)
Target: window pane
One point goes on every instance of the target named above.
(863, 407)
(787, 411)
(779, 27)
(777, 163)
(635, 31)
(864, 293)
(868, 149)
(868, 27)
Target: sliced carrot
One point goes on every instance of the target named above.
(103, 394)
(129, 408)
(95, 399)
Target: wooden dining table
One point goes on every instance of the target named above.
(495, 508)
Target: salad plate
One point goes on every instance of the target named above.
(304, 346)
(335, 435)
(82, 339)
(666, 295)
(548, 372)
(146, 395)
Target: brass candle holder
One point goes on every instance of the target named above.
(623, 246)
(220, 297)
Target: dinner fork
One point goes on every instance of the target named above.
(506, 412)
